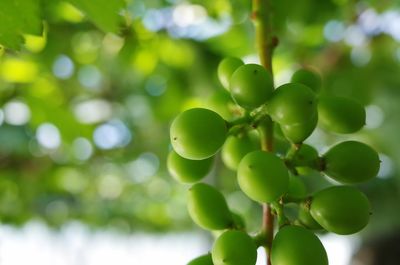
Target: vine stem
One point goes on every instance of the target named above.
(266, 42)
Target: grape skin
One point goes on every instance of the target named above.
(198, 133)
(263, 176)
(251, 86)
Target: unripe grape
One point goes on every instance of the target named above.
(251, 86)
(292, 103)
(305, 156)
(307, 220)
(263, 176)
(202, 260)
(186, 170)
(351, 162)
(341, 115)
(234, 248)
(226, 68)
(305, 160)
(296, 189)
(208, 208)
(308, 78)
(236, 147)
(295, 245)
(198, 133)
(222, 103)
(342, 210)
(297, 133)
(238, 221)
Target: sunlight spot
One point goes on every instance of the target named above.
(16, 113)
(111, 135)
(360, 56)
(93, 111)
(63, 67)
(144, 167)
(110, 187)
(89, 76)
(374, 117)
(386, 169)
(185, 15)
(82, 148)
(48, 136)
(334, 31)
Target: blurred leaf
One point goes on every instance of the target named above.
(19, 17)
(103, 13)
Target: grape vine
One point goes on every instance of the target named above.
(290, 111)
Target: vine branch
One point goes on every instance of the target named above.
(266, 42)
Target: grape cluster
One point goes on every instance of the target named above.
(292, 111)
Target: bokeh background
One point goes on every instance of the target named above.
(88, 90)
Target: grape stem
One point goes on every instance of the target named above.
(245, 119)
(266, 42)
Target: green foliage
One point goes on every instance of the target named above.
(19, 17)
(104, 14)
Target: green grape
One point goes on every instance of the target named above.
(342, 210)
(238, 221)
(226, 68)
(278, 134)
(234, 248)
(305, 156)
(305, 159)
(251, 86)
(295, 245)
(186, 170)
(263, 176)
(307, 220)
(351, 162)
(296, 189)
(198, 133)
(341, 115)
(308, 78)
(292, 103)
(237, 146)
(222, 103)
(202, 260)
(208, 208)
(297, 133)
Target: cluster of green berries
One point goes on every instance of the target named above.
(198, 134)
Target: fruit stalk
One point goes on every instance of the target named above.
(265, 43)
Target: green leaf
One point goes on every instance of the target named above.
(19, 17)
(103, 13)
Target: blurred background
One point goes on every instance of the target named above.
(88, 90)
